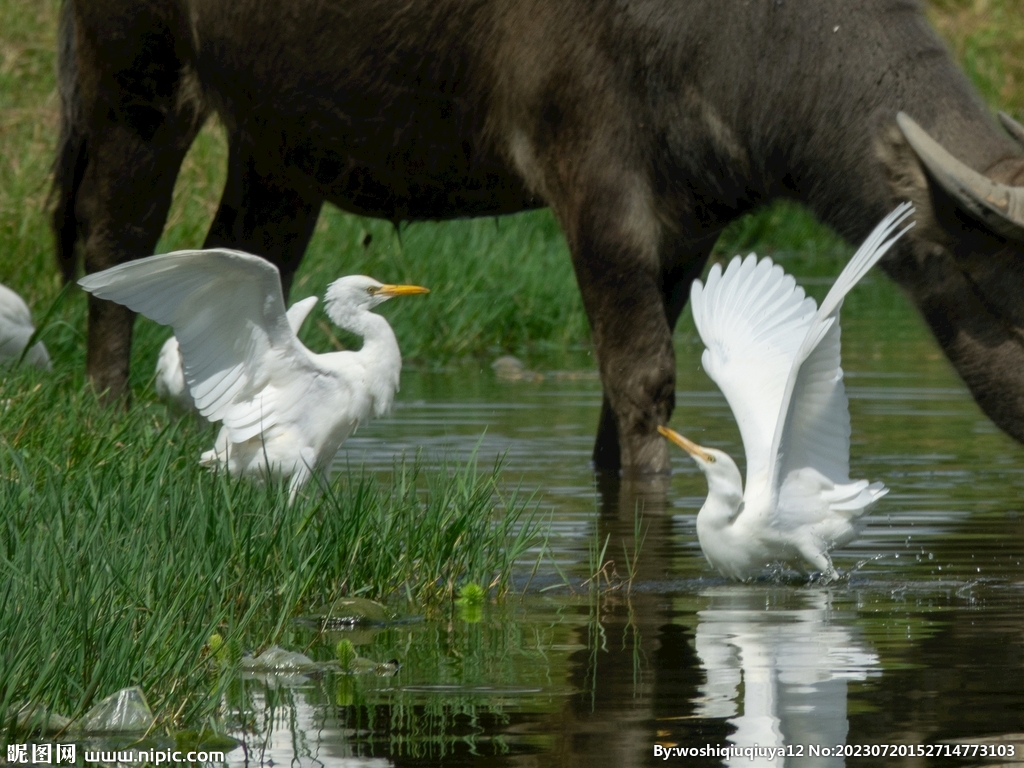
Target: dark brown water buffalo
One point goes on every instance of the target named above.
(647, 125)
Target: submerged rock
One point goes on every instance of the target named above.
(123, 712)
(277, 659)
(387, 668)
(35, 718)
(510, 368)
(188, 740)
(353, 611)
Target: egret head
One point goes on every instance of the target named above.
(358, 293)
(722, 474)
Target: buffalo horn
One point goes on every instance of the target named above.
(999, 206)
(1015, 129)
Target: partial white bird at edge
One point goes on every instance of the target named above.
(16, 331)
(284, 409)
(776, 357)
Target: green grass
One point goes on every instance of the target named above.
(120, 556)
(497, 285)
(987, 38)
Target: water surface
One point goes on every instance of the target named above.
(921, 643)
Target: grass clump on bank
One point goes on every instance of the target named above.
(121, 556)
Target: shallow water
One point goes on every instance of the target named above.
(921, 643)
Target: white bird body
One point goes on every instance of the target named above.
(170, 381)
(351, 387)
(776, 357)
(285, 410)
(16, 330)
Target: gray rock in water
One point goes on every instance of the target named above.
(277, 659)
(351, 611)
(510, 368)
(38, 719)
(123, 712)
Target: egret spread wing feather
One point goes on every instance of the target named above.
(776, 357)
(818, 431)
(299, 311)
(227, 311)
(285, 410)
(814, 428)
(752, 318)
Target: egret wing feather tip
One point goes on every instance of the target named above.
(815, 377)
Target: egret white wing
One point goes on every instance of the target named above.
(814, 428)
(227, 311)
(752, 318)
(818, 431)
(299, 311)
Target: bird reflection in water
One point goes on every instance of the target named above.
(778, 676)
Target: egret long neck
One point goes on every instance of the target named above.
(725, 494)
(721, 539)
(380, 356)
(721, 507)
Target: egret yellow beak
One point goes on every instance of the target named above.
(687, 445)
(401, 290)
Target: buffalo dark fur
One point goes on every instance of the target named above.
(646, 125)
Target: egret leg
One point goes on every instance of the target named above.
(304, 470)
(815, 555)
(299, 478)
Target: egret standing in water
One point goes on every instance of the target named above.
(285, 410)
(775, 356)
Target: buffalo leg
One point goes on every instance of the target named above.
(684, 262)
(121, 207)
(125, 88)
(613, 240)
(637, 364)
(264, 212)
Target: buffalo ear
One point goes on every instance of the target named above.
(1015, 129)
(999, 206)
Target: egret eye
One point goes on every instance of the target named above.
(372, 289)
(711, 459)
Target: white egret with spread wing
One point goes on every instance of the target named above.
(775, 356)
(284, 409)
(170, 381)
